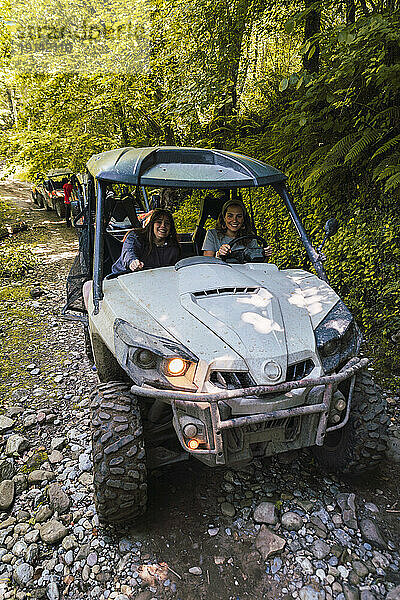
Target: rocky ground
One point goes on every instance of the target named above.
(277, 530)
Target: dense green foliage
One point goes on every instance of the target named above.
(311, 87)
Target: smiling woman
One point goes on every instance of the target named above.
(154, 246)
(232, 223)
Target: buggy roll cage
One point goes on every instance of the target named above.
(181, 167)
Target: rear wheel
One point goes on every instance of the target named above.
(40, 200)
(119, 457)
(34, 196)
(360, 445)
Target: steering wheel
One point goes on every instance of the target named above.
(247, 254)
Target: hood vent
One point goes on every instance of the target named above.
(226, 290)
(231, 380)
(299, 370)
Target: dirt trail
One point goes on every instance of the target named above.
(200, 521)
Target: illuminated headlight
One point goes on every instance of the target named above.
(154, 360)
(176, 367)
(338, 338)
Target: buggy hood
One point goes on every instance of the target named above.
(230, 314)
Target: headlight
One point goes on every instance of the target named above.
(176, 367)
(338, 338)
(330, 347)
(154, 360)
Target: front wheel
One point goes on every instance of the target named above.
(119, 458)
(360, 445)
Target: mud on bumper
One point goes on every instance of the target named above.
(211, 404)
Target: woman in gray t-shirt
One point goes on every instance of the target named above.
(232, 223)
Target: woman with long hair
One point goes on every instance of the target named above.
(233, 222)
(156, 245)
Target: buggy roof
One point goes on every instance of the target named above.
(172, 167)
(59, 172)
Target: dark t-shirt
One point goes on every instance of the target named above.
(134, 248)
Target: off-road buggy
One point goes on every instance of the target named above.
(49, 193)
(224, 362)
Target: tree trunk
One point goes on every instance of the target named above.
(122, 124)
(311, 28)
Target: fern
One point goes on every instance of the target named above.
(319, 154)
(392, 113)
(319, 173)
(341, 147)
(369, 138)
(388, 171)
(393, 159)
(388, 146)
(393, 181)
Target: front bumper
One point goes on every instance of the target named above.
(210, 401)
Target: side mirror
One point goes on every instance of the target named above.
(331, 227)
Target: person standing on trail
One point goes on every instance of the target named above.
(67, 187)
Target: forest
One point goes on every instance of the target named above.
(312, 88)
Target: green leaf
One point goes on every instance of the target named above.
(289, 26)
(312, 51)
(283, 85)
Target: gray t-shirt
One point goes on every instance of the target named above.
(214, 240)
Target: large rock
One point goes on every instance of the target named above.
(394, 594)
(350, 592)
(291, 521)
(7, 523)
(348, 508)
(5, 423)
(52, 591)
(266, 513)
(309, 593)
(368, 595)
(7, 490)
(55, 457)
(318, 526)
(393, 449)
(320, 549)
(268, 543)
(70, 542)
(40, 475)
(58, 443)
(21, 483)
(16, 444)
(7, 469)
(43, 514)
(23, 574)
(58, 499)
(372, 534)
(53, 532)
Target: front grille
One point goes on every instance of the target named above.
(231, 380)
(299, 370)
(226, 290)
(291, 425)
